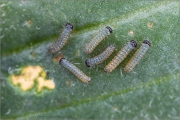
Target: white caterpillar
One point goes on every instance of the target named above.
(62, 39)
(120, 56)
(137, 56)
(101, 57)
(73, 69)
(97, 39)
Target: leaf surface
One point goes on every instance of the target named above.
(151, 91)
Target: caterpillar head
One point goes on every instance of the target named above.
(147, 42)
(133, 43)
(109, 28)
(69, 25)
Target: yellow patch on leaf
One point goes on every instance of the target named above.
(30, 75)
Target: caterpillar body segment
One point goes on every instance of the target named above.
(59, 44)
(120, 56)
(97, 39)
(74, 70)
(101, 57)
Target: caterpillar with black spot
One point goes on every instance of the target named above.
(101, 57)
(74, 70)
(97, 39)
(120, 56)
(59, 44)
(137, 56)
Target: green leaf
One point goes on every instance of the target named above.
(151, 91)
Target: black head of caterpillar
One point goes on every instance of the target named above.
(133, 43)
(61, 60)
(87, 63)
(147, 42)
(69, 25)
(110, 29)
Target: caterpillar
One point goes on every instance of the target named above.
(97, 39)
(137, 56)
(101, 57)
(74, 70)
(58, 45)
(120, 56)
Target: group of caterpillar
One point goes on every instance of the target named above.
(121, 55)
(124, 52)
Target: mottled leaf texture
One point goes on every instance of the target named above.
(149, 92)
